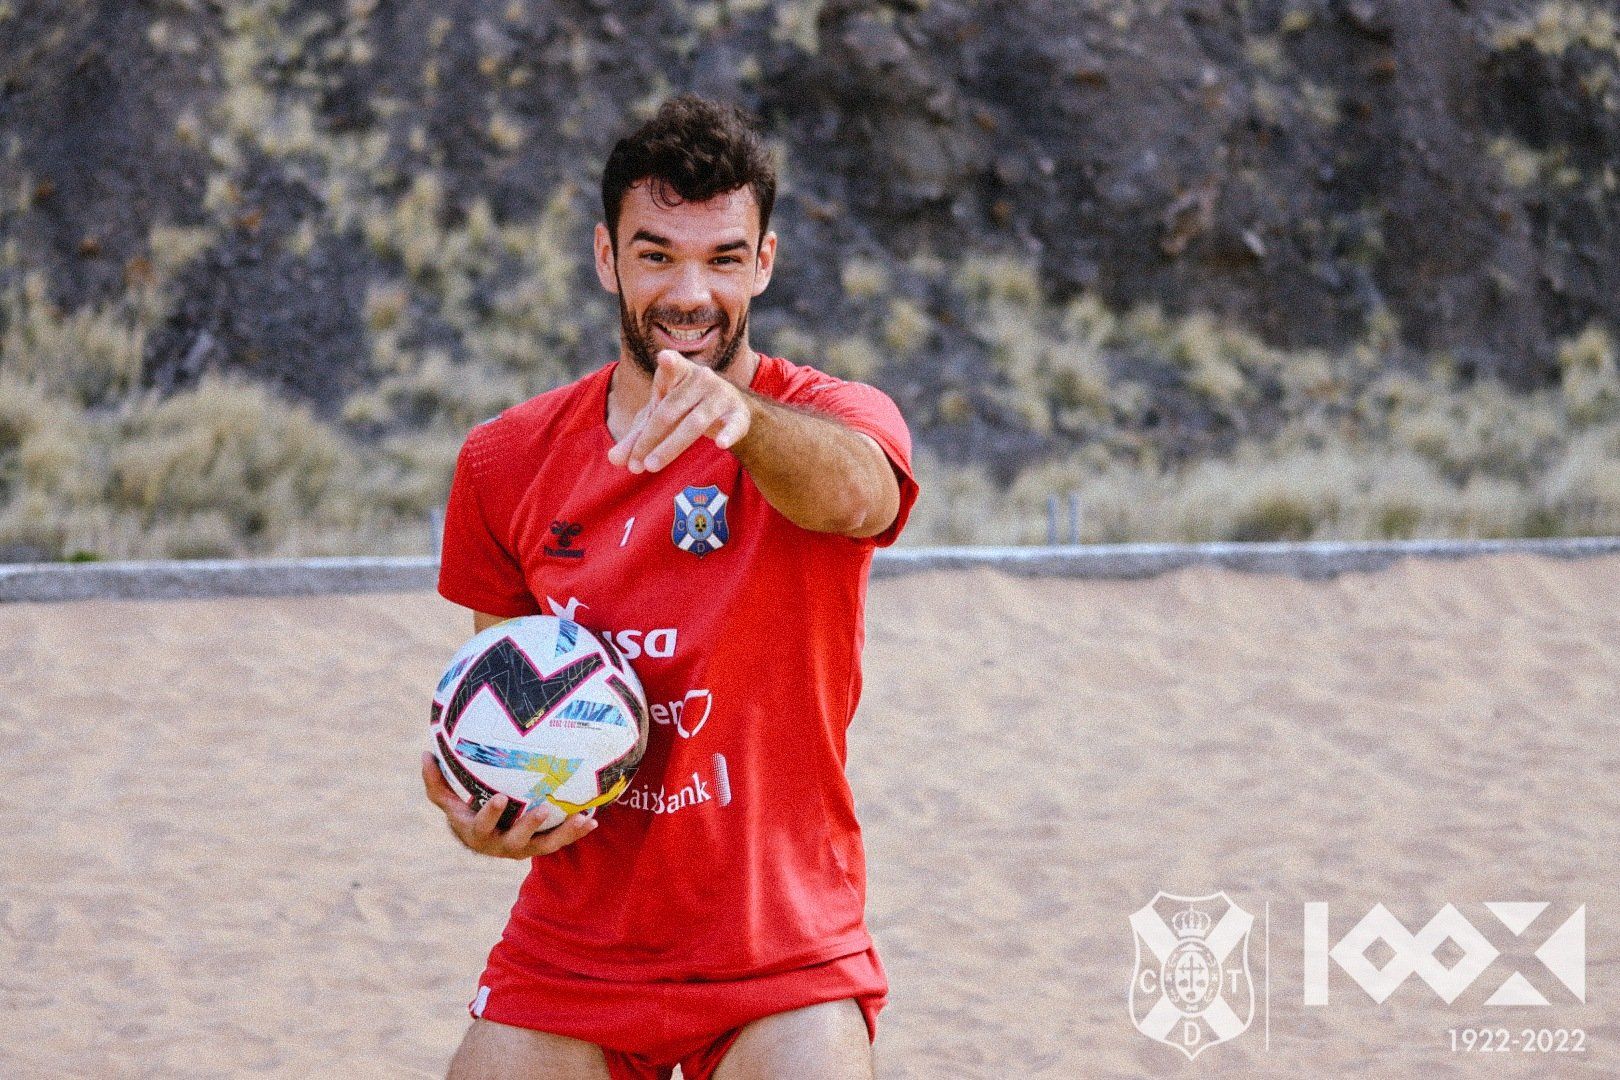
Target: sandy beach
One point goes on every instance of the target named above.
(193, 887)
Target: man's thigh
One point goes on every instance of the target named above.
(493, 1051)
(827, 1041)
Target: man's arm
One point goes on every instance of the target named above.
(483, 621)
(816, 472)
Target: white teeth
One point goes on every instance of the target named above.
(686, 335)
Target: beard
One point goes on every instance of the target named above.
(638, 334)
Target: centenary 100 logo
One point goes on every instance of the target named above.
(1191, 988)
(1562, 953)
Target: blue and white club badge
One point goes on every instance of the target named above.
(700, 520)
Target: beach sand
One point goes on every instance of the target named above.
(1034, 761)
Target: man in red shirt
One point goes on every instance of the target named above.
(714, 511)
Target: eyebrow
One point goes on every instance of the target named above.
(664, 241)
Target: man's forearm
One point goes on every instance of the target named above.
(816, 472)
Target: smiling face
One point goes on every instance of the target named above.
(684, 273)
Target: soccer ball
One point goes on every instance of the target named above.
(542, 710)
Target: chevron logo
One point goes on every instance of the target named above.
(527, 694)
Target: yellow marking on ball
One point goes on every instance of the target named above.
(601, 800)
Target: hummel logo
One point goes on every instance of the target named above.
(565, 532)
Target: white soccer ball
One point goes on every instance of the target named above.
(542, 710)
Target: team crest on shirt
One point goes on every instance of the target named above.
(700, 520)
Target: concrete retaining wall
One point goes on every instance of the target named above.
(1306, 560)
(306, 577)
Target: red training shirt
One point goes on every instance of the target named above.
(735, 850)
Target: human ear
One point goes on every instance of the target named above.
(764, 262)
(606, 259)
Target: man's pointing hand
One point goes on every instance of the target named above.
(688, 401)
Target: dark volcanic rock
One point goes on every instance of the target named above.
(1297, 168)
(87, 121)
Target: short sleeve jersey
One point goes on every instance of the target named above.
(736, 849)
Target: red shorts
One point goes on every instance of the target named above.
(646, 1029)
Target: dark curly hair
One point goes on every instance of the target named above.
(690, 151)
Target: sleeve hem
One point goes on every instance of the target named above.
(506, 607)
(902, 473)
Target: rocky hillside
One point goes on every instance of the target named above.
(1113, 228)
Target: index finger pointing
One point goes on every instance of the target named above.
(671, 366)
